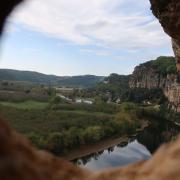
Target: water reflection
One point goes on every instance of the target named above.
(156, 134)
(115, 156)
(138, 148)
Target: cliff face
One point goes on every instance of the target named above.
(160, 73)
(172, 92)
(155, 73)
(20, 161)
(167, 11)
(145, 77)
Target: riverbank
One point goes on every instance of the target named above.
(86, 150)
(89, 149)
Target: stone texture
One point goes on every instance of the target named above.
(6, 6)
(145, 77)
(167, 11)
(172, 92)
(19, 160)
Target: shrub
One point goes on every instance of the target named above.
(56, 142)
(36, 140)
(93, 134)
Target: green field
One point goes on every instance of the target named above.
(63, 127)
(25, 104)
(45, 121)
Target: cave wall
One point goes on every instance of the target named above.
(19, 160)
(168, 14)
(6, 7)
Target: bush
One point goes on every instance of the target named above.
(93, 134)
(171, 69)
(128, 106)
(56, 142)
(36, 140)
(127, 122)
(56, 100)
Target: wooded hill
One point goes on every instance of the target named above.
(36, 77)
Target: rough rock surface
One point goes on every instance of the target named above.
(6, 6)
(167, 11)
(146, 77)
(172, 92)
(20, 161)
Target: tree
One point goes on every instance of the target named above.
(56, 100)
(171, 69)
(93, 134)
(36, 140)
(56, 143)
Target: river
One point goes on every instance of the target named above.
(140, 147)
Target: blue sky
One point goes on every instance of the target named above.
(76, 37)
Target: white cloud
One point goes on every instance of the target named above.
(116, 24)
(96, 52)
(11, 28)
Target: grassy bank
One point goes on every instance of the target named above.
(61, 129)
(25, 104)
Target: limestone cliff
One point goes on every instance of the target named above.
(155, 73)
(145, 77)
(167, 11)
(160, 73)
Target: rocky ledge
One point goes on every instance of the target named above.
(160, 73)
(19, 160)
(167, 11)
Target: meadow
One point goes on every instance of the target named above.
(25, 104)
(60, 127)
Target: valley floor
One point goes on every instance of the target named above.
(86, 150)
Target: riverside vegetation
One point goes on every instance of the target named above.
(58, 125)
(69, 126)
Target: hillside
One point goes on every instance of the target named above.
(111, 88)
(118, 80)
(159, 74)
(147, 83)
(35, 77)
(115, 84)
(81, 81)
(154, 73)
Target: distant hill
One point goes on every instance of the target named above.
(36, 77)
(118, 80)
(84, 81)
(115, 84)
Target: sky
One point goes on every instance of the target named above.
(77, 37)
